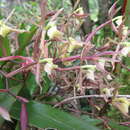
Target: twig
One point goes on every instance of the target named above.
(9, 16)
(90, 36)
(88, 96)
(124, 66)
(56, 15)
(93, 57)
(19, 98)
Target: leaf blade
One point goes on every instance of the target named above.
(7, 100)
(5, 114)
(44, 116)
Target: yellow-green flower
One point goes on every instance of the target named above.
(90, 69)
(122, 104)
(4, 29)
(74, 44)
(53, 33)
(49, 67)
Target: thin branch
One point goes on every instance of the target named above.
(93, 57)
(9, 16)
(88, 96)
(90, 36)
(124, 66)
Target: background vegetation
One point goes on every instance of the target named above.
(64, 64)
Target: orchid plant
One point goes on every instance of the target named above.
(52, 48)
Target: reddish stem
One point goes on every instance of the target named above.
(124, 7)
(95, 31)
(4, 90)
(15, 57)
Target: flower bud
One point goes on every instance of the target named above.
(74, 44)
(4, 29)
(53, 33)
(49, 67)
(105, 91)
(90, 71)
(125, 51)
(79, 11)
(122, 104)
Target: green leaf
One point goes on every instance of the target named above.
(17, 126)
(31, 83)
(94, 10)
(4, 46)
(91, 121)
(127, 14)
(44, 116)
(25, 38)
(116, 126)
(1, 82)
(112, 124)
(7, 100)
(47, 83)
